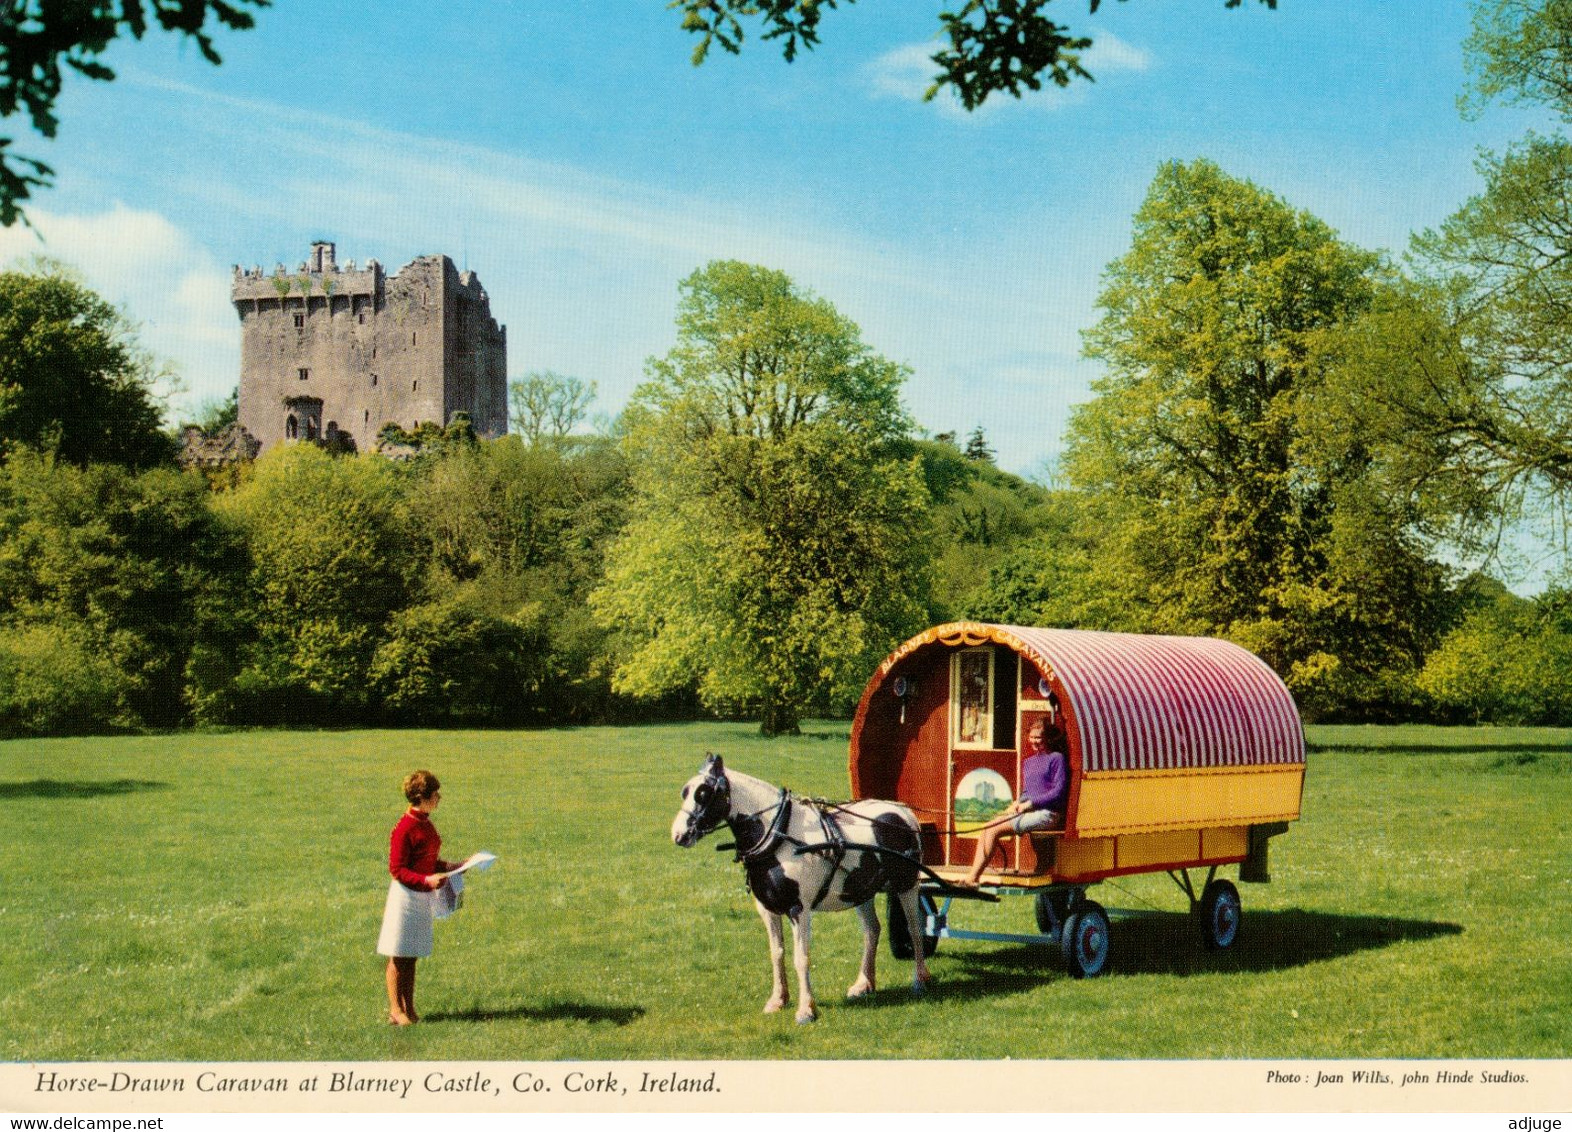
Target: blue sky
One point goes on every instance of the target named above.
(570, 154)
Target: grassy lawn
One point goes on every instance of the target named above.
(217, 897)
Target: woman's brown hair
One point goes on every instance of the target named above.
(420, 785)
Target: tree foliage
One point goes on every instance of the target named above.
(995, 46)
(215, 414)
(1506, 662)
(1233, 497)
(330, 566)
(38, 38)
(1499, 395)
(72, 376)
(1517, 51)
(980, 515)
(548, 406)
(775, 548)
(514, 533)
(109, 582)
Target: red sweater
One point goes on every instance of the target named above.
(412, 854)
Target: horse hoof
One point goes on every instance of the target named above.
(774, 1007)
(919, 989)
(859, 990)
(807, 1016)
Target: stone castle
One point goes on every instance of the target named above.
(332, 354)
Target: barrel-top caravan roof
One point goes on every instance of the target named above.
(1138, 702)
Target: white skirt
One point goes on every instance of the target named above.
(406, 923)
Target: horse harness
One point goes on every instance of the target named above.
(833, 848)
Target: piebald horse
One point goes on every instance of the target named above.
(805, 856)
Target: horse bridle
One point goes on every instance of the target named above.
(719, 788)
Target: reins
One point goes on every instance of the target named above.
(834, 845)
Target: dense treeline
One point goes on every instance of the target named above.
(1294, 444)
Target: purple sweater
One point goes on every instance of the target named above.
(1043, 779)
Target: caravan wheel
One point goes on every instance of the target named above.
(1085, 941)
(1219, 912)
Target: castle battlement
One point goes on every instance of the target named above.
(319, 276)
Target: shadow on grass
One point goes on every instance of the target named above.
(1474, 745)
(50, 788)
(1168, 943)
(547, 1012)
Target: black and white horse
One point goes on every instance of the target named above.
(803, 857)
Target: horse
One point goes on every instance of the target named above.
(803, 856)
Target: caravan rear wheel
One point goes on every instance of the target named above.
(1219, 913)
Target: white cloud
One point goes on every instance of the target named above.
(1108, 54)
(907, 72)
(168, 284)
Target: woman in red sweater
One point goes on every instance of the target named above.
(418, 872)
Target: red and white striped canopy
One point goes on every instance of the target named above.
(1149, 703)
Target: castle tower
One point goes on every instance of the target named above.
(331, 351)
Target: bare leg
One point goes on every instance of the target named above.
(772, 927)
(401, 990)
(801, 938)
(986, 844)
(870, 950)
(406, 989)
(914, 925)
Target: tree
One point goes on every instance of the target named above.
(977, 447)
(443, 661)
(1503, 258)
(980, 515)
(1497, 390)
(1403, 379)
(1518, 52)
(330, 566)
(514, 532)
(214, 414)
(110, 581)
(38, 36)
(776, 547)
(996, 46)
(1229, 503)
(547, 405)
(1506, 662)
(72, 376)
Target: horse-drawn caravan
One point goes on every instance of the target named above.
(1182, 753)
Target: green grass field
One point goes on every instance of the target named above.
(217, 897)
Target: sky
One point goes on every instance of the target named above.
(570, 154)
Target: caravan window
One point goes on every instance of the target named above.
(971, 698)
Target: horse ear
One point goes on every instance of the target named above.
(712, 762)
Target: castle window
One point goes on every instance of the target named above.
(362, 318)
(373, 381)
(414, 385)
(300, 322)
(304, 374)
(291, 428)
(412, 337)
(368, 416)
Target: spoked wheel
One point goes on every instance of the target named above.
(900, 935)
(1085, 941)
(1218, 913)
